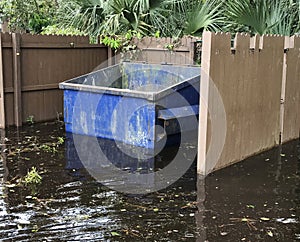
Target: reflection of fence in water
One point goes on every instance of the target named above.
(3, 174)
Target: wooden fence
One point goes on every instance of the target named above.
(161, 51)
(31, 66)
(258, 81)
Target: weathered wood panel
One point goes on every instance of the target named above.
(2, 110)
(7, 62)
(37, 66)
(249, 82)
(16, 42)
(291, 119)
(163, 50)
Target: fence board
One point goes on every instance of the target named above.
(2, 110)
(291, 124)
(159, 50)
(17, 79)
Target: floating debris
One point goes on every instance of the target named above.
(287, 220)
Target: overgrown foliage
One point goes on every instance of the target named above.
(169, 18)
(55, 29)
(147, 17)
(28, 16)
(264, 16)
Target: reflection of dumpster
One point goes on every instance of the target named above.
(137, 104)
(126, 159)
(128, 167)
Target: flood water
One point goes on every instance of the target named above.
(255, 200)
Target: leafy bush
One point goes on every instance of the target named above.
(54, 29)
(28, 16)
(168, 17)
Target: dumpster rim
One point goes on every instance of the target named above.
(148, 95)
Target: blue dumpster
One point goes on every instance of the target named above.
(134, 103)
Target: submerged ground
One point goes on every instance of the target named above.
(255, 200)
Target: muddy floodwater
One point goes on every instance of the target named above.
(255, 200)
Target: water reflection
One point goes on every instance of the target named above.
(3, 175)
(127, 168)
(256, 200)
(200, 215)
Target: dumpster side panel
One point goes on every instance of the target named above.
(187, 96)
(125, 119)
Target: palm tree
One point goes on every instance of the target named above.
(122, 16)
(85, 15)
(112, 17)
(262, 16)
(177, 17)
(160, 14)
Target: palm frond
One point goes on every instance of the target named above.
(262, 16)
(84, 15)
(205, 16)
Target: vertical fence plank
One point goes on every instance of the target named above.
(2, 110)
(203, 103)
(109, 57)
(17, 79)
(283, 87)
(291, 122)
(190, 43)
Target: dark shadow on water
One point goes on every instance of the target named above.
(255, 200)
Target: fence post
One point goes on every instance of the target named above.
(110, 56)
(17, 79)
(2, 110)
(191, 48)
(203, 103)
(283, 86)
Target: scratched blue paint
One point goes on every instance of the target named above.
(95, 107)
(96, 115)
